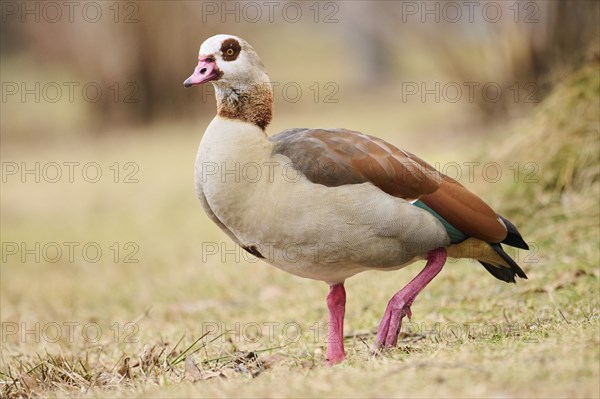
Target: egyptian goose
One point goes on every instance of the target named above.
(329, 203)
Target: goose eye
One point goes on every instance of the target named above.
(230, 49)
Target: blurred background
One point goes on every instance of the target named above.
(99, 137)
(102, 67)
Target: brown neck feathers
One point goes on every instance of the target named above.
(253, 104)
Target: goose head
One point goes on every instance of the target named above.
(227, 61)
(242, 87)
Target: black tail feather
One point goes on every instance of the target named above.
(501, 273)
(513, 238)
(513, 265)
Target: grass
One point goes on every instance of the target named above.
(183, 322)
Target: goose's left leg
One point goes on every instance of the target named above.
(399, 305)
(336, 302)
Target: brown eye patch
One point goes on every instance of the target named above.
(230, 49)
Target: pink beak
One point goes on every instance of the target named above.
(205, 71)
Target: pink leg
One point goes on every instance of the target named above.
(399, 305)
(336, 302)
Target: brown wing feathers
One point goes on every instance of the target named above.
(336, 157)
(465, 211)
(401, 174)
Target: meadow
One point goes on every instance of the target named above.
(120, 286)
